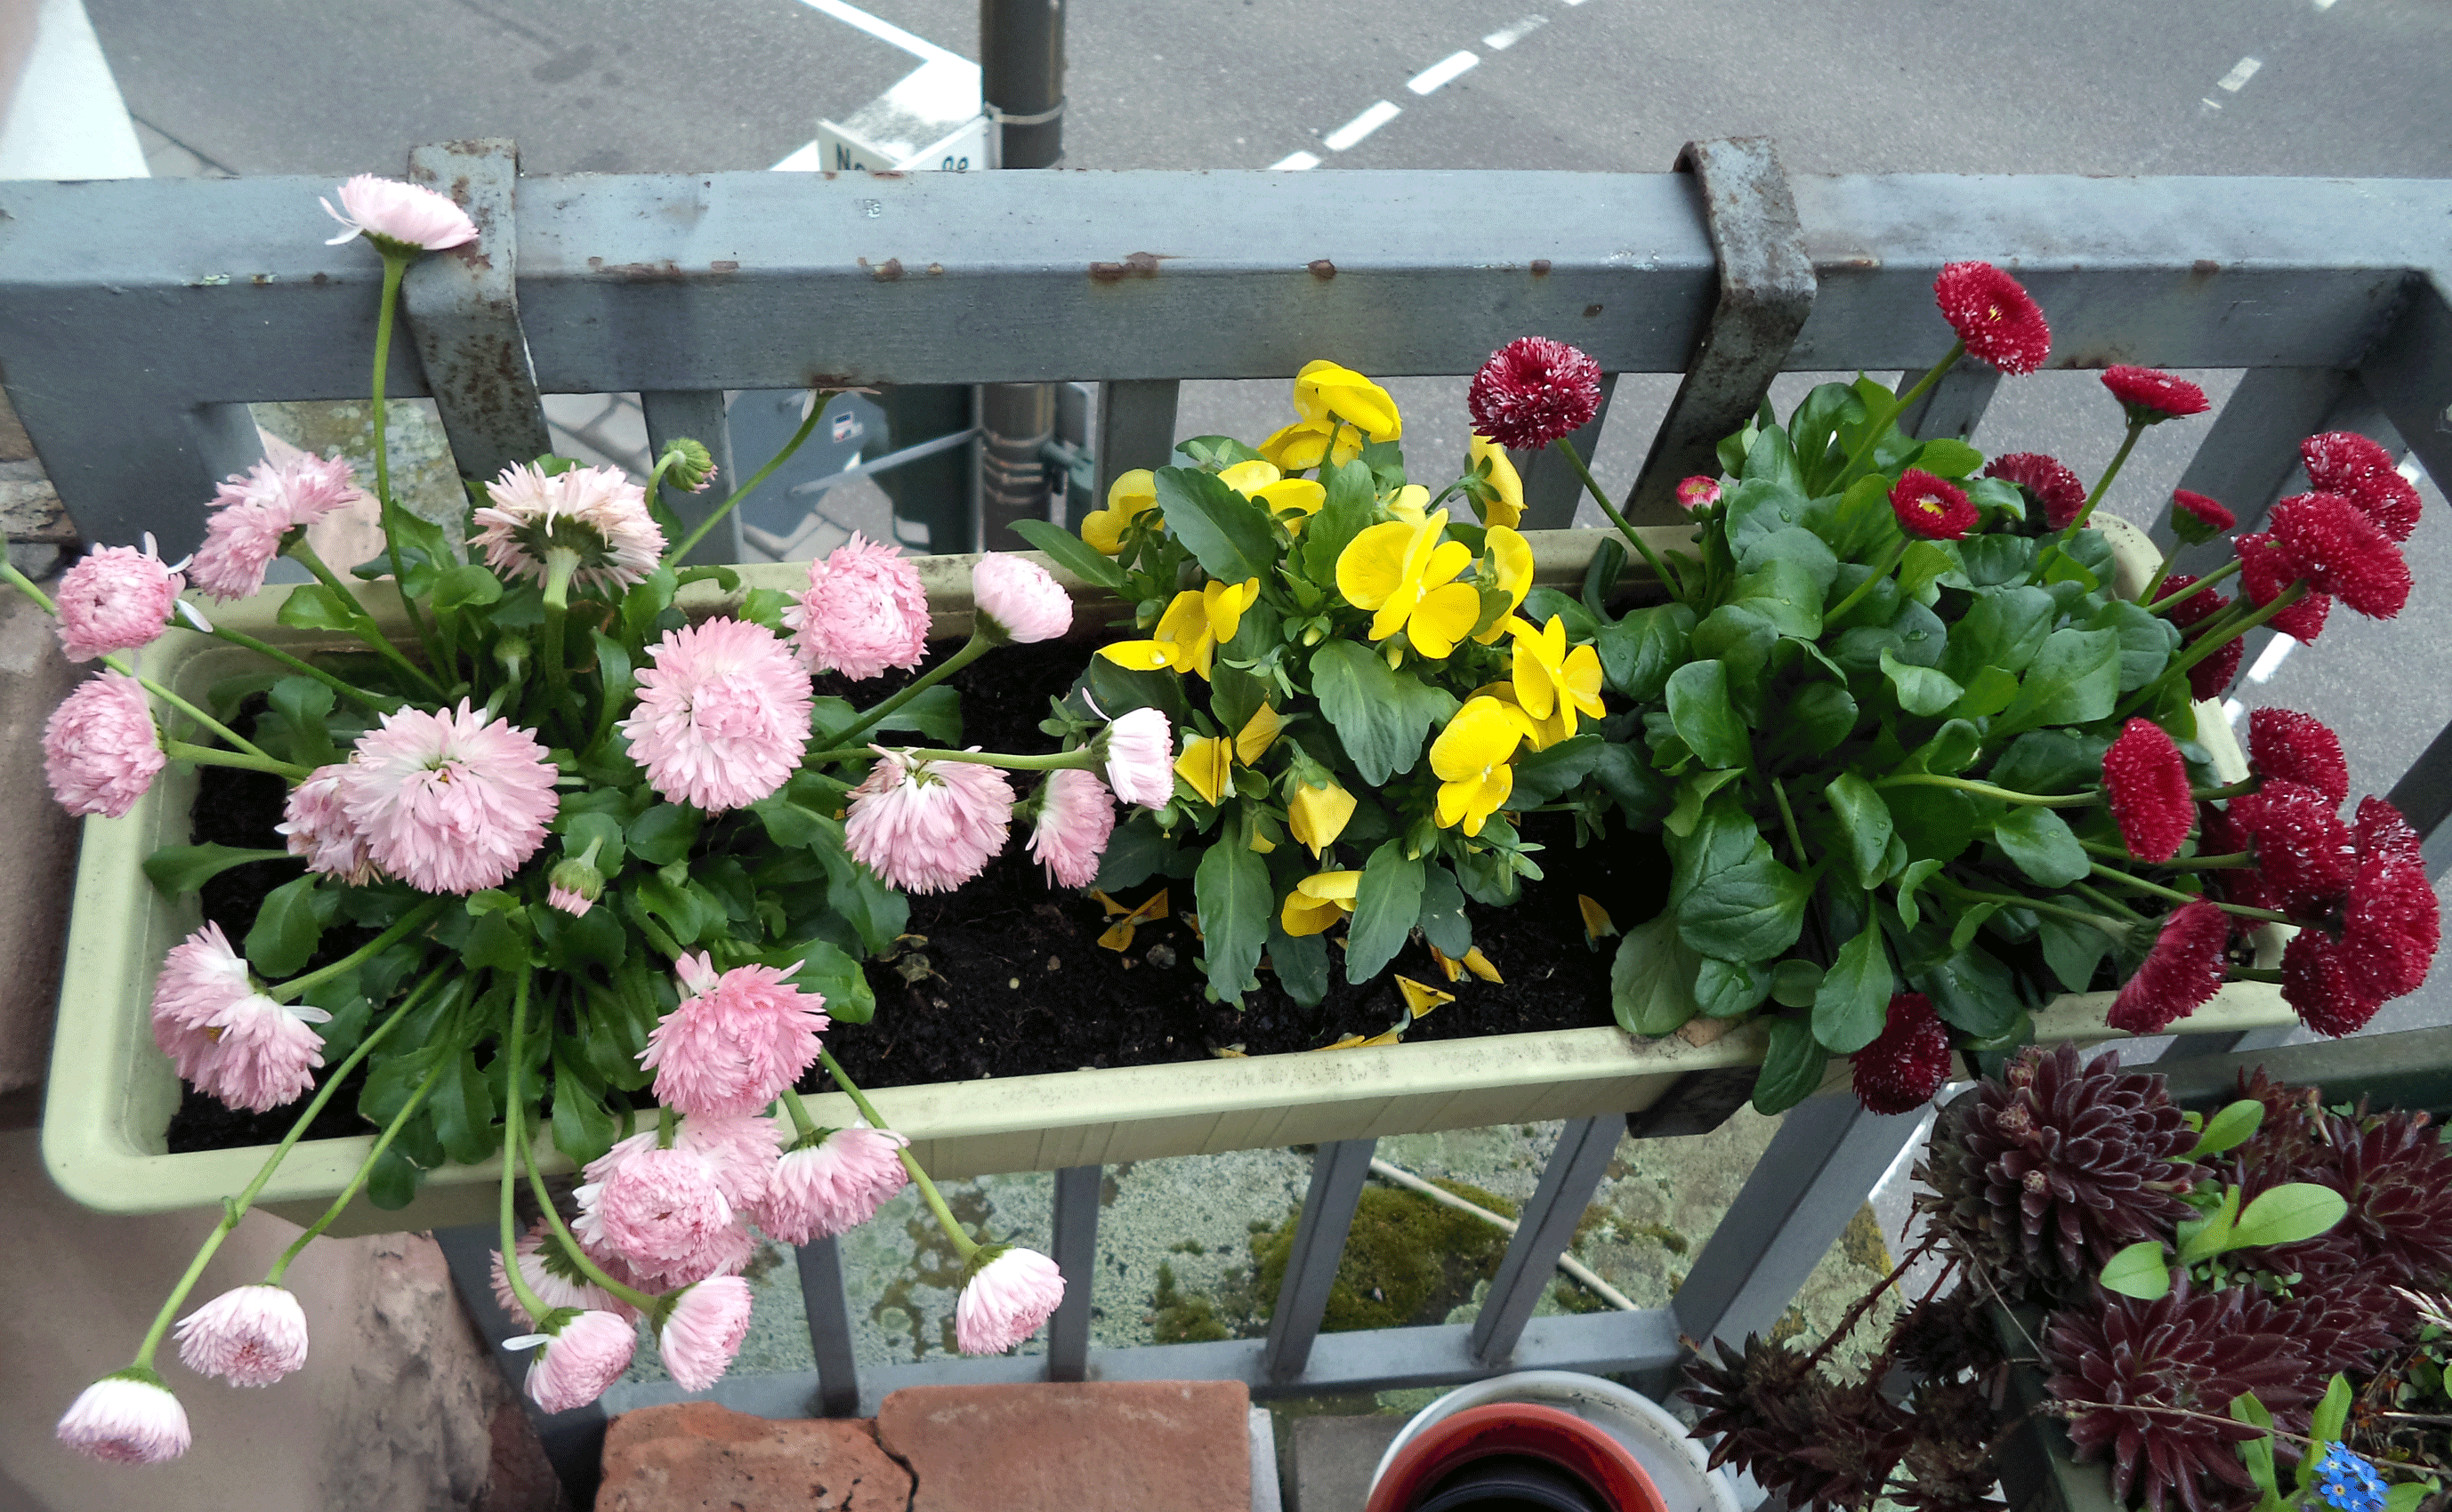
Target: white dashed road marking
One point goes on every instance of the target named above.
(1440, 72)
(2268, 662)
(1506, 37)
(1360, 126)
(2239, 73)
(1295, 162)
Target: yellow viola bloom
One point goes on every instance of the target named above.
(1318, 815)
(1421, 999)
(1472, 757)
(1551, 678)
(1248, 478)
(1318, 901)
(1118, 936)
(1301, 446)
(1411, 502)
(1509, 510)
(1511, 563)
(1206, 764)
(1130, 497)
(1263, 484)
(1406, 573)
(1258, 733)
(1324, 391)
(1196, 623)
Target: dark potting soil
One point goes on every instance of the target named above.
(1004, 977)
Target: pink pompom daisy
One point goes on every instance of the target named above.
(201, 978)
(128, 1417)
(703, 1332)
(722, 717)
(736, 1041)
(660, 1207)
(579, 1360)
(318, 827)
(117, 599)
(547, 1267)
(399, 217)
(254, 512)
(1077, 814)
(731, 1156)
(262, 1055)
(2146, 785)
(1017, 600)
(596, 513)
(1140, 756)
(100, 750)
(862, 612)
(1532, 391)
(2151, 396)
(927, 826)
(248, 1336)
(832, 1186)
(1698, 492)
(1010, 1294)
(449, 801)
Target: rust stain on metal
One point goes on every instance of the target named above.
(936, 271)
(260, 279)
(666, 272)
(886, 174)
(724, 264)
(888, 271)
(1590, 310)
(1138, 265)
(2204, 268)
(322, 278)
(1540, 267)
(823, 379)
(1322, 268)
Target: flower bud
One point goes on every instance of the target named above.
(574, 885)
(688, 464)
(512, 653)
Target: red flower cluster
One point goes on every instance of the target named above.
(2051, 485)
(1932, 508)
(2208, 678)
(2151, 396)
(2196, 518)
(2146, 784)
(2340, 551)
(2266, 568)
(2294, 747)
(2183, 971)
(1532, 391)
(1902, 1069)
(2302, 849)
(2346, 462)
(1997, 319)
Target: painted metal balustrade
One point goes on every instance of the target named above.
(138, 319)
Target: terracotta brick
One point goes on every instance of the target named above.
(1121, 1447)
(697, 1454)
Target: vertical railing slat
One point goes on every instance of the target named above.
(829, 1313)
(1135, 429)
(1543, 1230)
(1955, 404)
(2250, 452)
(1078, 1191)
(1337, 1173)
(463, 313)
(699, 415)
(574, 1440)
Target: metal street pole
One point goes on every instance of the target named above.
(1021, 78)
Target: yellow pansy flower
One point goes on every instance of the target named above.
(1197, 621)
(1318, 815)
(1420, 998)
(1206, 763)
(1130, 497)
(1301, 446)
(1410, 503)
(1545, 732)
(1261, 482)
(1258, 733)
(1472, 757)
(1510, 562)
(1548, 677)
(1318, 901)
(1324, 391)
(1509, 510)
(1405, 573)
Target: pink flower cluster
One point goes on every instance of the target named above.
(248, 1336)
(117, 599)
(723, 716)
(225, 1037)
(1017, 600)
(100, 750)
(862, 612)
(1077, 814)
(1010, 1294)
(834, 1185)
(737, 1040)
(447, 801)
(252, 514)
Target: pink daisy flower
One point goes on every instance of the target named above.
(658, 1208)
(736, 1041)
(556, 1281)
(1011, 1292)
(723, 716)
(254, 512)
(704, 1330)
(201, 978)
(248, 1336)
(1140, 758)
(1075, 816)
(730, 1156)
(594, 513)
(263, 1054)
(928, 826)
(1018, 600)
(127, 1417)
(581, 1358)
(862, 612)
(317, 824)
(408, 216)
(449, 803)
(117, 599)
(100, 750)
(832, 1186)
(1698, 492)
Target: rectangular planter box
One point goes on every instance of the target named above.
(112, 1093)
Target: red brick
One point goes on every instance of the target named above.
(1122, 1446)
(697, 1454)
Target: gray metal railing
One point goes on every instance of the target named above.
(138, 318)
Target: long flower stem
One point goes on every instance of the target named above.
(2162, 572)
(364, 627)
(2106, 902)
(2194, 863)
(395, 264)
(409, 923)
(2047, 800)
(377, 702)
(2206, 645)
(2111, 927)
(365, 1172)
(561, 566)
(816, 408)
(1859, 460)
(1788, 818)
(801, 1123)
(213, 756)
(515, 1122)
(2058, 544)
(2154, 605)
(579, 1257)
(971, 650)
(1888, 565)
(2158, 889)
(963, 1243)
(1660, 569)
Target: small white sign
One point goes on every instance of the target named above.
(932, 118)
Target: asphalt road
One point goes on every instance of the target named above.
(2327, 87)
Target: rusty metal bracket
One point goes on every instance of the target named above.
(1766, 292)
(464, 312)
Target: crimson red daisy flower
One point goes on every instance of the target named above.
(2317, 980)
(2266, 568)
(2212, 676)
(2341, 552)
(2179, 974)
(1902, 1069)
(2302, 846)
(2219, 834)
(2051, 486)
(1930, 506)
(2195, 518)
(1532, 391)
(2379, 829)
(2390, 927)
(2346, 462)
(2195, 607)
(2298, 748)
(1994, 315)
(2145, 783)
(2151, 396)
